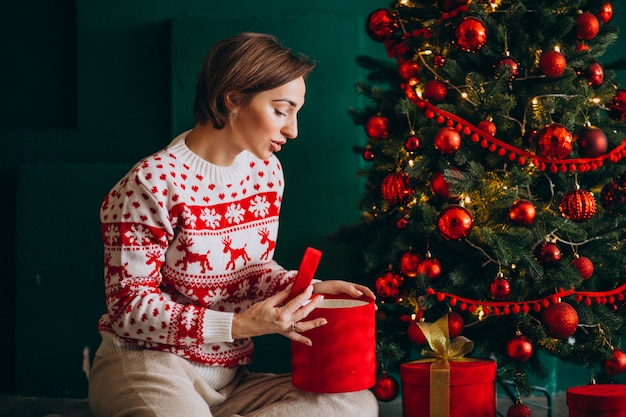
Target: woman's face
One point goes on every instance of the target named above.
(263, 125)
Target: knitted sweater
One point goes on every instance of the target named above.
(187, 245)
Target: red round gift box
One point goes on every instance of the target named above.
(343, 355)
(597, 400)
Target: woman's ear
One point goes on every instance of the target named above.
(230, 101)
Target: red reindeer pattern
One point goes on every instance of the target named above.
(271, 244)
(153, 258)
(235, 253)
(115, 270)
(190, 257)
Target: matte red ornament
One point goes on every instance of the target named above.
(455, 223)
(595, 74)
(587, 26)
(435, 90)
(447, 140)
(592, 142)
(560, 320)
(470, 34)
(522, 212)
(412, 143)
(617, 105)
(386, 388)
(584, 266)
(430, 268)
(396, 188)
(456, 324)
(377, 127)
(409, 262)
(606, 13)
(578, 205)
(552, 64)
(555, 141)
(500, 288)
(520, 348)
(548, 254)
(508, 63)
(447, 6)
(488, 126)
(519, 410)
(409, 69)
(388, 285)
(382, 25)
(616, 365)
(415, 334)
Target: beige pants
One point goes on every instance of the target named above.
(147, 383)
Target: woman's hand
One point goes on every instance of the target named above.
(335, 287)
(272, 316)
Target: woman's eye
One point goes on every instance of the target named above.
(279, 113)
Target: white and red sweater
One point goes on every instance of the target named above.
(188, 244)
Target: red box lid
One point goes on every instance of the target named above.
(461, 373)
(597, 397)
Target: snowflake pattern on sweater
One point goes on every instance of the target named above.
(187, 245)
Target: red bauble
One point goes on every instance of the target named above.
(409, 69)
(522, 212)
(617, 364)
(613, 196)
(396, 188)
(520, 348)
(456, 324)
(470, 34)
(382, 25)
(606, 13)
(439, 61)
(595, 74)
(510, 63)
(488, 126)
(447, 140)
(587, 26)
(548, 254)
(368, 154)
(500, 288)
(388, 285)
(578, 205)
(447, 6)
(415, 334)
(584, 266)
(518, 410)
(412, 143)
(377, 127)
(552, 64)
(386, 388)
(617, 105)
(560, 320)
(435, 90)
(409, 262)
(455, 222)
(440, 188)
(429, 267)
(403, 222)
(555, 141)
(592, 142)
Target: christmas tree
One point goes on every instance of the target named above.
(495, 185)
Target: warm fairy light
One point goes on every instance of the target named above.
(464, 95)
(535, 101)
(411, 163)
(557, 48)
(467, 200)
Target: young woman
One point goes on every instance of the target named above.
(189, 235)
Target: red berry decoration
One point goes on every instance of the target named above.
(592, 142)
(583, 265)
(578, 205)
(617, 105)
(396, 188)
(447, 140)
(549, 254)
(409, 262)
(455, 223)
(606, 13)
(616, 365)
(560, 320)
(456, 324)
(555, 141)
(429, 267)
(522, 212)
(518, 410)
(382, 25)
(520, 348)
(587, 26)
(409, 69)
(388, 285)
(435, 90)
(415, 334)
(470, 34)
(595, 74)
(552, 64)
(412, 143)
(508, 63)
(377, 127)
(386, 388)
(439, 61)
(500, 288)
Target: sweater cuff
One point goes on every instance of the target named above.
(217, 326)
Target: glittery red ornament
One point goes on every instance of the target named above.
(592, 142)
(412, 143)
(387, 286)
(519, 410)
(456, 324)
(587, 26)
(578, 205)
(616, 365)
(396, 188)
(508, 63)
(409, 69)
(470, 34)
(606, 13)
(447, 140)
(560, 320)
(617, 105)
(552, 64)
(584, 266)
(377, 127)
(595, 74)
(520, 348)
(382, 25)
(613, 196)
(435, 90)
(488, 126)
(430, 268)
(500, 288)
(555, 141)
(548, 254)
(415, 334)
(439, 61)
(522, 212)
(408, 263)
(455, 222)
(386, 388)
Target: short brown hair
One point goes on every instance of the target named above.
(242, 66)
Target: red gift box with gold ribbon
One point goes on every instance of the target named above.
(597, 400)
(447, 384)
